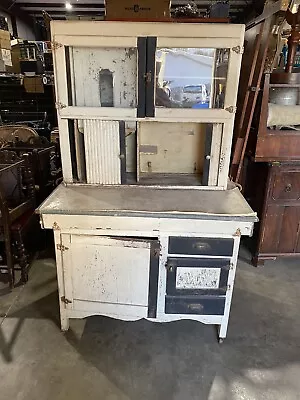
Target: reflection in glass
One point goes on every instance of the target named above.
(191, 77)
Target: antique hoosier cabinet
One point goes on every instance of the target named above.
(145, 223)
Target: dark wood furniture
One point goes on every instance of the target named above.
(39, 153)
(17, 205)
(266, 144)
(260, 49)
(294, 38)
(273, 190)
(271, 179)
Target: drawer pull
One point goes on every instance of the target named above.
(201, 246)
(288, 188)
(170, 267)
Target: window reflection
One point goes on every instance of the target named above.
(191, 77)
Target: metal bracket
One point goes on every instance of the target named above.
(254, 89)
(56, 45)
(61, 247)
(59, 105)
(231, 109)
(238, 49)
(64, 300)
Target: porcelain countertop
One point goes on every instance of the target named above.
(148, 201)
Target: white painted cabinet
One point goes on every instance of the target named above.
(145, 223)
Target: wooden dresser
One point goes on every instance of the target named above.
(273, 190)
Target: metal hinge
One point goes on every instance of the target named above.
(59, 105)
(56, 45)
(238, 233)
(64, 300)
(156, 252)
(231, 109)
(238, 49)
(61, 247)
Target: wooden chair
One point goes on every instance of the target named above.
(17, 205)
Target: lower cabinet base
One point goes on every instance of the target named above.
(157, 275)
(221, 322)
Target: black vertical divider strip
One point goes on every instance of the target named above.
(68, 72)
(207, 152)
(150, 76)
(142, 58)
(153, 279)
(122, 151)
(73, 149)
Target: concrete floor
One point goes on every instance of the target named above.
(103, 359)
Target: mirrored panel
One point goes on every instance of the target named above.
(191, 77)
(103, 77)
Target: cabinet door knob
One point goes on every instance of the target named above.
(288, 188)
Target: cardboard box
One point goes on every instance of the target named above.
(137, 9)
(5, 40)
(2, 66)
(33, 84)
(5, 56)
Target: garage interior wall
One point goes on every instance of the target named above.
(24, 31)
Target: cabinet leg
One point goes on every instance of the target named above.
(64, 322)
(222, 330)
(258, 262)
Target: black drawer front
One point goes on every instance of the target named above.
(195, 278)
(201, 305)
(201, 246)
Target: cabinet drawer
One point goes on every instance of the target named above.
(200, 305)
(286, 186)
(201, 246)
(194, 276)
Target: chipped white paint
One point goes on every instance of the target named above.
(88, 64)
(197, 278)
(102, 152)
(109, 271)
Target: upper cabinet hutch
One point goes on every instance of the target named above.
(146, 225)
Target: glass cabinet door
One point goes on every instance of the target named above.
(191, 78)
(103, 77)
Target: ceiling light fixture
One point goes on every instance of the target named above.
(68, 6)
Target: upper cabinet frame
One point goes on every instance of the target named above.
(142, 40)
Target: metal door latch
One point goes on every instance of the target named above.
(148, 77)
(64, 300)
